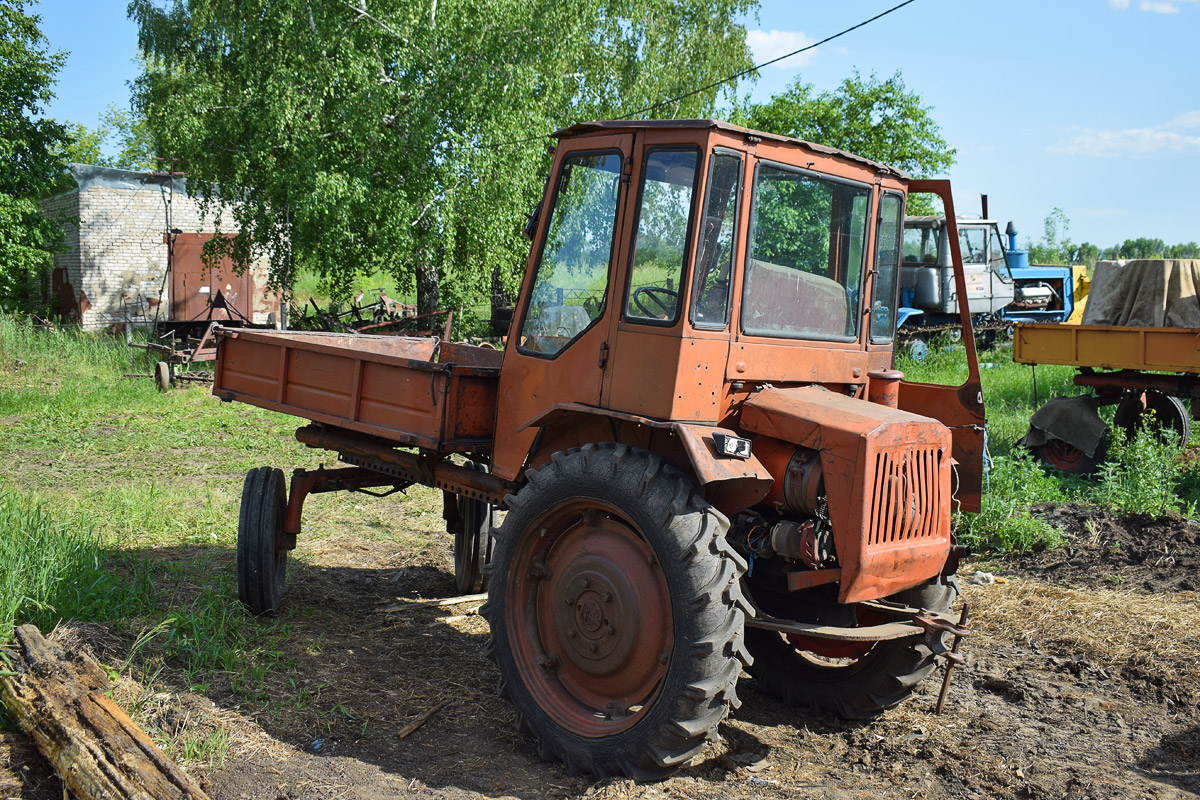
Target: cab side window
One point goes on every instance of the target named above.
(805, 255)
(660, 249)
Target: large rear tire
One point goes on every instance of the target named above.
(616, 612)
(261, 550)
(855, 682)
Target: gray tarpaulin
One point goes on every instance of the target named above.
(1150, 293)
(1069, 419)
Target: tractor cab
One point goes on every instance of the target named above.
(678, 267)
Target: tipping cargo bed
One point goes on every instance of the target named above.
(412, 391)
(1109, 347)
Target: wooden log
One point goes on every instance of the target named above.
(101, 754)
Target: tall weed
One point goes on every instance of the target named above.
(1141, 474)
(1017, 482)
(50, 571)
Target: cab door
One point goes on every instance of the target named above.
(653, 368)
(557, 346)
(959, 408)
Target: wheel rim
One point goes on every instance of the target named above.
(1061, 455)
(589, 618)
(917, 349)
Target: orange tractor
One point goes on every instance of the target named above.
(706, 460)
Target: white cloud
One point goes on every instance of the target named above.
(1171, 137)
(769, 45)
(1153, 6)
(1189, 120)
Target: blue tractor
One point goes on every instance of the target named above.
(1002, 287)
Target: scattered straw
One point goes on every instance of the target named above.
(1156, 633)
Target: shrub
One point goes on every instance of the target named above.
(1140, 474)
(1016, 482)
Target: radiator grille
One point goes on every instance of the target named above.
(907, 495)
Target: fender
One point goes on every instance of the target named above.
(730, 484)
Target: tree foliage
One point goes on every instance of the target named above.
(879, 120)
(135, 144)
(406, 135)
(32, 150)
(1056, 247)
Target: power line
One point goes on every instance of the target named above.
(734, 77)
(757, 67)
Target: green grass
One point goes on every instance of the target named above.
(50, 571)
(1145, 475)
(119, 503)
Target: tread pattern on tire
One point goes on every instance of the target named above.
(700, 685)
(260, 570)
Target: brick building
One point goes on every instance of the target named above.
(114, 265)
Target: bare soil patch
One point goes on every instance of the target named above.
(1075, 687)
(1106, 548)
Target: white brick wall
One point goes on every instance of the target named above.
(117, 256)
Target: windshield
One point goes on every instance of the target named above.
(805, 257)
(920, 243)
(572, 275)
(971, 244)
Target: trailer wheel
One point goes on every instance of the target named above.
(852, 680)
(616, 612)
(261, 554)
(472, 541)
(1165, 412)
(1068, 458)
(162, 376)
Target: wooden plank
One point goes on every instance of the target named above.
(99, 752)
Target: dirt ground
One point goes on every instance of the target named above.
(1082, 681)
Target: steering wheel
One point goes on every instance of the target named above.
(666, 300)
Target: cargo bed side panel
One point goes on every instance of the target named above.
(365, 389)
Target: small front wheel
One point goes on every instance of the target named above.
(261, 549)
(472, 529)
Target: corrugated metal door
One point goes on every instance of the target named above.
(194, 285)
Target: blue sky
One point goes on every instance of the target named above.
(1088, 105)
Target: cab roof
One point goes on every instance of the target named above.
(714, 124)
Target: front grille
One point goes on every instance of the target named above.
(907, 495)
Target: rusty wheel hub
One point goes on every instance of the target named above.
(1061, 455)
(593, 619)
